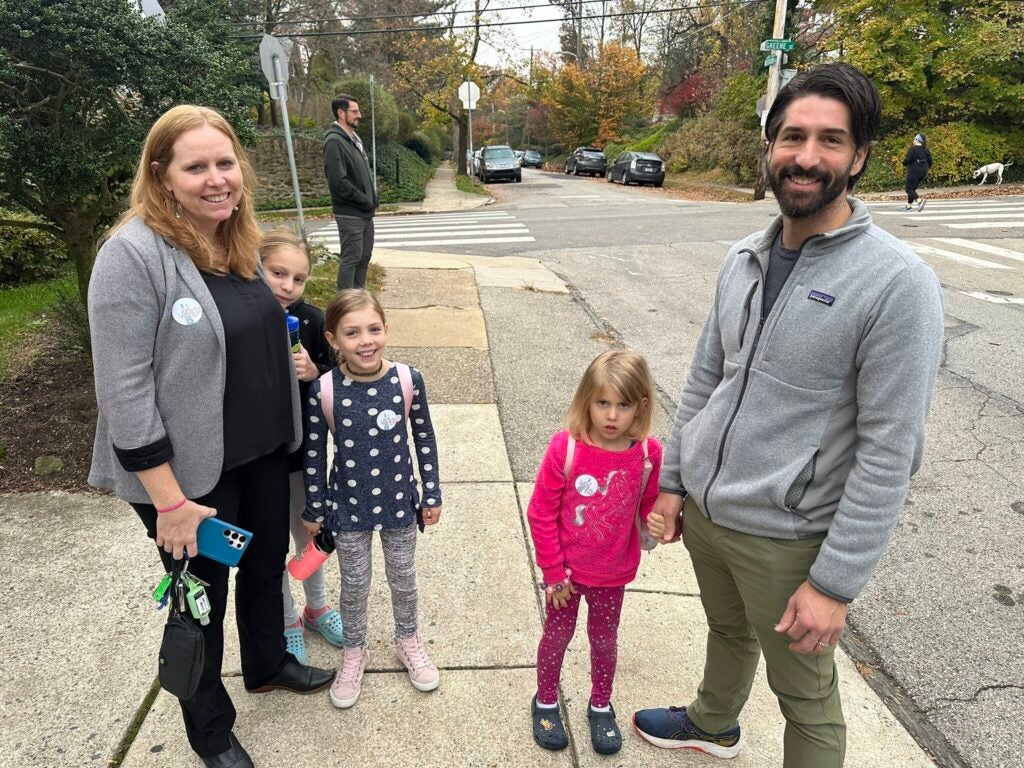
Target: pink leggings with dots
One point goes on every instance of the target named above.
(604, 605)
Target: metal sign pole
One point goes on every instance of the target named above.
(470, 140)
(373, 132)
(282, 98)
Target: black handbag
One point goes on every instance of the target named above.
(182, 653)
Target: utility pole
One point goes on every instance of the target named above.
(774, 78)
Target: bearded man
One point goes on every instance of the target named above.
(800, 425)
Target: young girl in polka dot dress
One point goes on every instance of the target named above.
(371, 485)
(588, 515)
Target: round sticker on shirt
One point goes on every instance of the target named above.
(186, 311)
(387, 419)
(586, 485)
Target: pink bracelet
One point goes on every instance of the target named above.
(179, 505)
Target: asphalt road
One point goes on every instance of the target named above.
(941, 625)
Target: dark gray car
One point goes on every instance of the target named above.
(589, 160)
(499, 162)
(637, 168)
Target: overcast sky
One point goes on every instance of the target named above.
(541, 32)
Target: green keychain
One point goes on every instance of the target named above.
(198, 602)
(160, 593)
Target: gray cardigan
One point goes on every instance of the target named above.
(156, 375)
(813, 420)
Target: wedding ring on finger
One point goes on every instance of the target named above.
(824, 645)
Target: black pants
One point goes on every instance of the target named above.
(253, 496)
(913, 178)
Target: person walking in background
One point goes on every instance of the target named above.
(353, 192)
(802, 420)
(917, 162)
(198, 398)
(286, 268)
(588, 512)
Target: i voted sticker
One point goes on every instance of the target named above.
(186, 311)
(586, 485)
(387, 419)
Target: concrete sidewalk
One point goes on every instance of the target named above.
(443, 196)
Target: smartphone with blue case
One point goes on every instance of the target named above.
(222, 541)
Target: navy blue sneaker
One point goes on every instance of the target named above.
(672, 729)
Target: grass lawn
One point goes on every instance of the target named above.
(26, 309)
(320, 287)
(466, 184)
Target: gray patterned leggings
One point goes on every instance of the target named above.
(355, 552)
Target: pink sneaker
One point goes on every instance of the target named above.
(422, 672)
(348, 682)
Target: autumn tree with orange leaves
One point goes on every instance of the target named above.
(601, 103)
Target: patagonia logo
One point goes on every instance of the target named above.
(824, 298)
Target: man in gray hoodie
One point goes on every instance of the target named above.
(353, 194)
(800, 425)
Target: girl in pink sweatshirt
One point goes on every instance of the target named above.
(588, 515)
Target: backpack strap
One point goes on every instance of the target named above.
(405, 378)
(570, 451)
(327, 398)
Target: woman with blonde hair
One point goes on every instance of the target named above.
(198, 397)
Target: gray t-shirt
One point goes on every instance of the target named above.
(780, 263)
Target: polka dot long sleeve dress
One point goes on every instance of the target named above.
(371, 484)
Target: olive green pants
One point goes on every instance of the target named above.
(745, 582)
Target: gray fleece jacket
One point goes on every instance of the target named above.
(159, 361)
(812, 419)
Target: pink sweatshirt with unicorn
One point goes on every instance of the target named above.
(587, 522)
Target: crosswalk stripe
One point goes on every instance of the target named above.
(465, 241)
(987, 224)
(943, 216)
(441, 226)
(956, 213)
(993, 299)
(929, 250)
(380, 236)
(974, 245)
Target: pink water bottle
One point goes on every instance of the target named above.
(312, 557)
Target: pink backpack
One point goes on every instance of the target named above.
(327, 393)
(647, 542)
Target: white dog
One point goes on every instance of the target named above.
(995, 168)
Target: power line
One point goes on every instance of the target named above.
(384, 17)
(396, 30)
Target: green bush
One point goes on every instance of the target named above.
(413, 174)
(707, 143)
(421, 144)
(957, 149)
(29, 255)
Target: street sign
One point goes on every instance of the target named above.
(469, 92)
(776, 44)
(787, 75)
(271, 47)
(769, 60)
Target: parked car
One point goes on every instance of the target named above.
(475, 170)
(519, 156)
(589, 160)
(637, 168)
(499, 162)
(532, 159)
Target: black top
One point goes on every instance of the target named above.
(257, 390)
(311, 334)
(780, 264)
(918, 157)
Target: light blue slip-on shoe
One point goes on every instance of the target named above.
(327, 624)
(295, 644)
